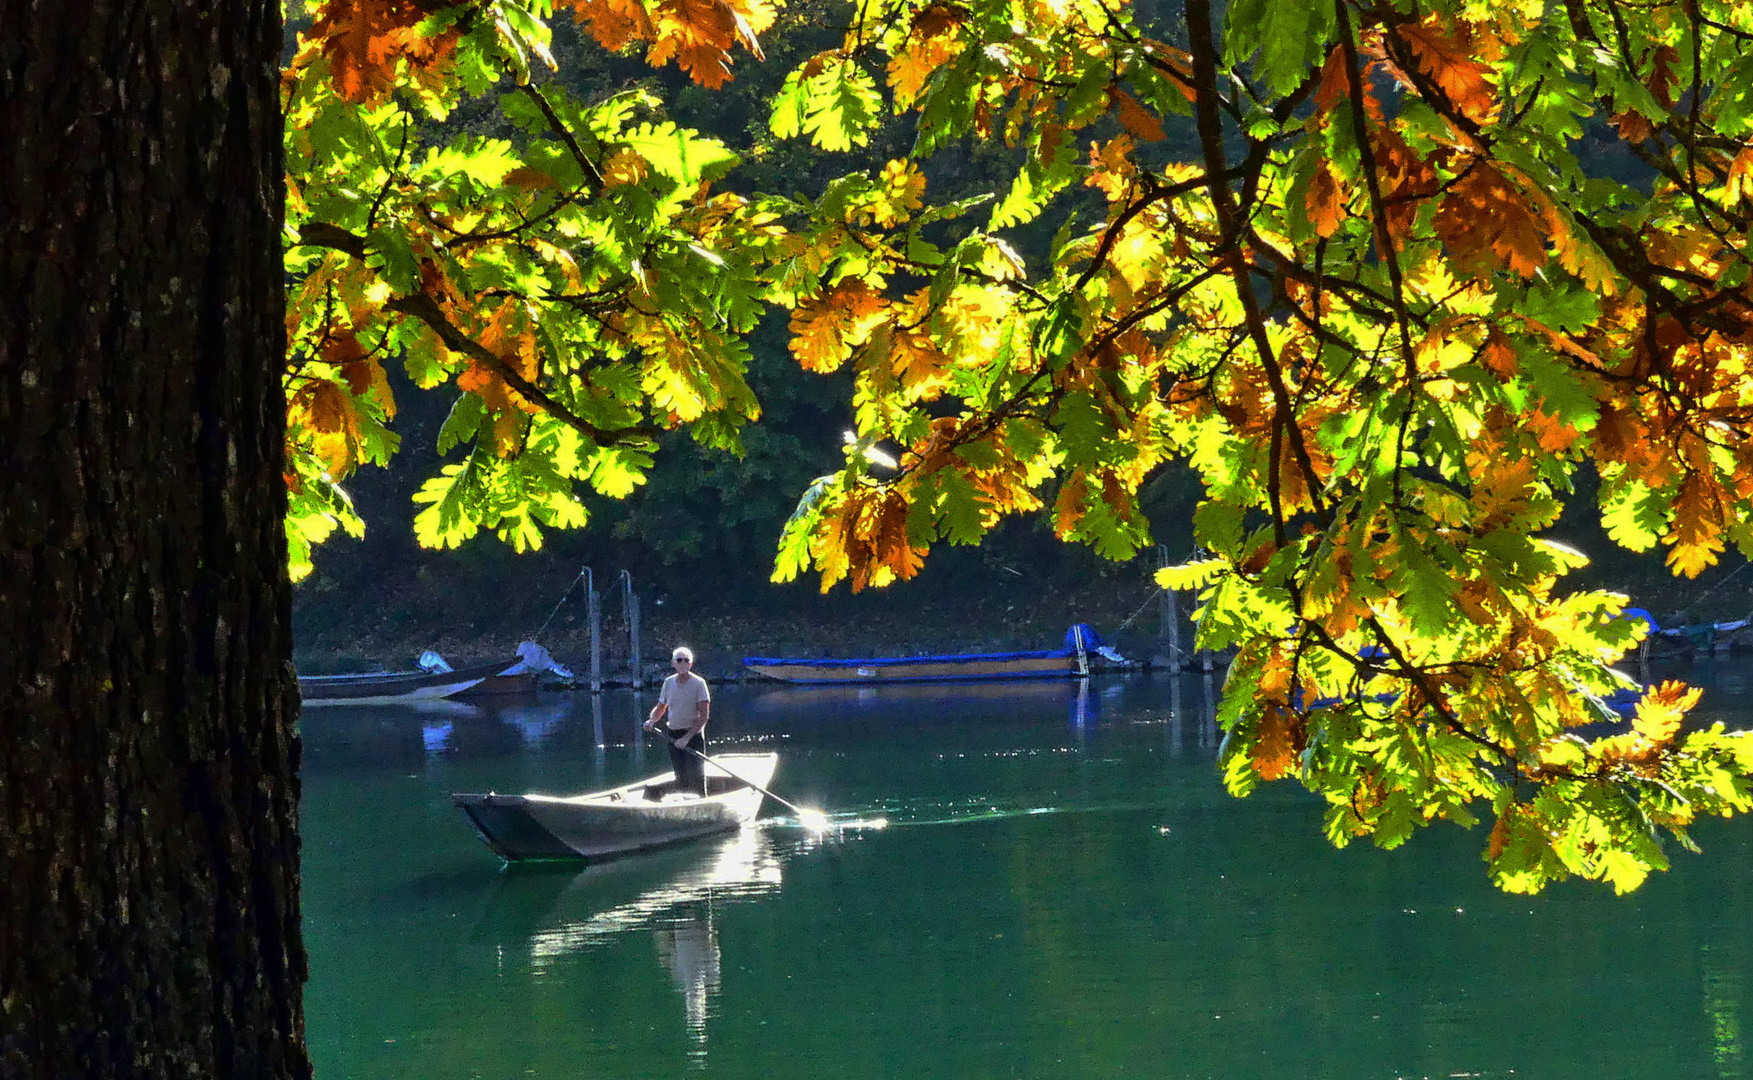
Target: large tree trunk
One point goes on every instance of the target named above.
(148, 755)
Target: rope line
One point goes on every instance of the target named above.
(557, 603)
(1141, 608)
(1707, 593)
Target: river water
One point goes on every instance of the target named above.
(1064, 892)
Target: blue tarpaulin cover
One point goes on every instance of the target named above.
(1092, 642)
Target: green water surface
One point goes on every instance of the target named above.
(1064, 892)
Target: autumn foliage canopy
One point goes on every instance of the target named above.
(1387, 311)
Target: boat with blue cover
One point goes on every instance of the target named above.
(1070, 660)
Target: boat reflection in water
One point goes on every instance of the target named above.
(678, 913)
(689, 950)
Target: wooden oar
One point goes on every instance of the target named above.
(813, 820)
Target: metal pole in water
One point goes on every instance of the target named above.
(1208, 719)
(631, 601)
(598, 759)
(1174, 731)
(596, 633)
(1172, 616)
(1166, 628)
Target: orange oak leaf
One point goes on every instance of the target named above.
(1634, 127)
(1279, 734)
(1739, 185)
(1500, 832)
(529, 178)
(1324, 201)
(1663, 78)
(1449, 58)
(365, 40)
(826, 328)
(1696, 535)
(1498, 354)
(1486, 223)
(613, 23)
(1335, 84)
(1134, 117)
(325, 412)
(1111, 167)
(1407, 181)
(1180, 64)
(624, 166)
(935, 41)
(890, 547)
(1068, 508)
(699, 34)
(331, 410)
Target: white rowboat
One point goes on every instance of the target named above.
(638, 816)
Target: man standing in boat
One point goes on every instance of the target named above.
(686, 704)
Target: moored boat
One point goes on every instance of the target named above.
(435, 679)
(950, 667)
(634, 817)
(520, 679)
(392, 687)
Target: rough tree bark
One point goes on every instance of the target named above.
(148, 749)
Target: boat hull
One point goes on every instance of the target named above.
(620, 821)
(936, 669)
(521, 684)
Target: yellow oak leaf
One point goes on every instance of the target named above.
(920, 365)
(903, 191)
(624, 166)
(1662, 710)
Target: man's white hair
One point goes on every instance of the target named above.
(682, 652)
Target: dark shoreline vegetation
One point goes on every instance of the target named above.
(379, 602)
